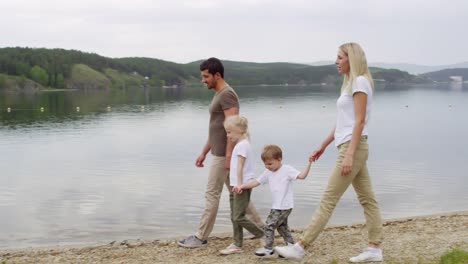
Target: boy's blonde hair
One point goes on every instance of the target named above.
(237, 121)
(272, 152)
(357, 66)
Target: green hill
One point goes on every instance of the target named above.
(444, 75)
(72, 69)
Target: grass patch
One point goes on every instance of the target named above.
(455, 256)
(83, 76)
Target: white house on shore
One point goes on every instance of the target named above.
(458, 79)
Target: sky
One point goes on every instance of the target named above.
(424, 32)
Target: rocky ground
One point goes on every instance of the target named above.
(409, 240)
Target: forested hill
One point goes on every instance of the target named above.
(444, 75)
(72, 69)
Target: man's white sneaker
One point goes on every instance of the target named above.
(291, 252)
(369, 255)
(231, 249)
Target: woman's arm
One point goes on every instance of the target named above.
(360, 103)
(318, 152)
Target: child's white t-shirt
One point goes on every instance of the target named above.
(345, 104)
(243, 149)
(280, 183)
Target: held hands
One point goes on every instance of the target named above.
(237, 189)
(316, 154)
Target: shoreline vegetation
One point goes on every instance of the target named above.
(426, 239)
(32, 70)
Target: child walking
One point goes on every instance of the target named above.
(241, 172)
(279, 177)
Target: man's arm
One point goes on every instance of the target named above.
(201, 158)
(230, 145)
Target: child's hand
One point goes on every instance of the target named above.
(237, 189)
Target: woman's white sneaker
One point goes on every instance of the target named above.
(369, 255)
(290, 252)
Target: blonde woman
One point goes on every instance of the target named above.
(350, 136)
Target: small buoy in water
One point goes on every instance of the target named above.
(142, 108)
(108, 108)
(323, 106)
(8, 109)
(406, 105)
(77, 108)
(450, 105)
(42, 109)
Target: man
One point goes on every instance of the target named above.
(225, 102)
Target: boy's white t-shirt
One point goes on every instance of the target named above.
(280, 183)
(345, 104)
(243, 149)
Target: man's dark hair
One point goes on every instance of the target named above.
(213, 65)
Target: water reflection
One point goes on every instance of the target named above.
(105, 174)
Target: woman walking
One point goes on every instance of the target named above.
(350, 135)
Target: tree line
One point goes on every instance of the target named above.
(53, 67)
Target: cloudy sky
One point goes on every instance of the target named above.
(427, 32)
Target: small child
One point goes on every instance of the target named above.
(241, 172)
(280, 178)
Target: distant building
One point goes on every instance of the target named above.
(458, 79)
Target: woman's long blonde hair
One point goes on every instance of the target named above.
(357, 66)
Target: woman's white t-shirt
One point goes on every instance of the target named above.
(345, 104)
(243, 149)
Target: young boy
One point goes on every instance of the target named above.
(280, 178)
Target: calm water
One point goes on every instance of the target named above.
(127, 171)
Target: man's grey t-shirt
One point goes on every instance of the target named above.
(222, 100)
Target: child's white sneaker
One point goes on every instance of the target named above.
(231, 249)
(369, 255)
(264, 252)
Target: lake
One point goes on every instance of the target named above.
(98, 166)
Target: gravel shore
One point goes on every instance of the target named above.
(410, 240)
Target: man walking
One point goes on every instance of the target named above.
(225, 102)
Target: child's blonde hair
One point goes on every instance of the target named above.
(272, 152)
(239, 122)
(357, 66)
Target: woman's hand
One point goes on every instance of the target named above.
(316, 154)
(347, 165)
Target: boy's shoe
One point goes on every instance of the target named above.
(369, 255)
(264, 252)
(231, 249)
(192, 242)
(290, 252)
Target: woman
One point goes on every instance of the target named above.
(350, 136)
